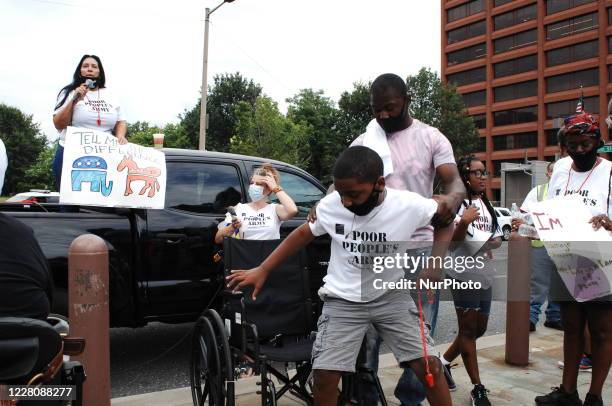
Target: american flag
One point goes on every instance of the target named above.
(580, 105)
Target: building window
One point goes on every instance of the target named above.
(551, 137)
(568, 107)
(480, 120)
(482, 144)
(467, 54)
(555, 6)
(519, 40)
(514, 17)
(515, 141)
(474, 98)
(573, 53)
(468, 77)
(464, 10)
(497, 3)
(572, 26)
(515, 66)
(572, 80)
(610, 16)
(467, 31)
(610, 45)
(609, 74)
(515, 91)
(515, 116)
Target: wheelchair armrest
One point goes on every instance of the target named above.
(73, 345)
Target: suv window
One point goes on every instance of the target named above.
(304, 193)
(202, 187)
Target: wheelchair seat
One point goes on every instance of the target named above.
(296, 351)
(27, 347)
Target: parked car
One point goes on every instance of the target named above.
(504, 219)
(35, 196)
(161, 265)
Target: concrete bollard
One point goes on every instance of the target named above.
(517, 308)
(88, 314)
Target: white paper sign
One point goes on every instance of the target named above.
(98, 171)
(581, 254)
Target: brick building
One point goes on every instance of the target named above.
(519, 64)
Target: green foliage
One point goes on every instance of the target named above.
(174, 135)
(441, 106)
(355, 110)
(227, 91)
(324, 139)
(262, 130)
(24, 143)
(39, 175)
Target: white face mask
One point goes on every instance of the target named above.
(256, 192)
(609, 121)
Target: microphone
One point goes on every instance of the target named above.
(90, 83)
(232, 211)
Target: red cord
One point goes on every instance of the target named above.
(428, 375)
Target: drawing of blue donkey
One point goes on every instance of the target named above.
(91, 169)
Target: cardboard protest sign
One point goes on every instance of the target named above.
(98, 171)
(581, 254)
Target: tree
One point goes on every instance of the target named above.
(262, 130)
(227, 91)
(24, 143)
(40, 174)
(440, 105)
(324, 139)
(355, 110)
(141, 133)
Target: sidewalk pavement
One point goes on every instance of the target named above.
(508, 385)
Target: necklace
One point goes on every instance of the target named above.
(569, 176)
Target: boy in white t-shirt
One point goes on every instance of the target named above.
(361, 215)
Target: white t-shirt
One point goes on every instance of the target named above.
(594, 187)
(261, 224)
(85, 112)
(484, 222)
(395, 220)
(416, 152)
(3, 164)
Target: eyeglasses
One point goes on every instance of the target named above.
(479, 174)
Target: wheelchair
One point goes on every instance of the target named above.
(32, 353)
(259, 336)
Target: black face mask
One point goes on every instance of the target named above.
(585, 160)
(394, 124)
(366, 207)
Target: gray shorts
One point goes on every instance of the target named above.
(343, 324)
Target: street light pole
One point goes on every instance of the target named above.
(203, 120)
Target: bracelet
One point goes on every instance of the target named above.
(277, 189)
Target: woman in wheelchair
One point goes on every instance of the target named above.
(259, 219)
(359, 216)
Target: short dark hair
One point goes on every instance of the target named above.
(388, 81)
(359, 162)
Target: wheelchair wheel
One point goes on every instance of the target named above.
(207, 382)
(225, 358)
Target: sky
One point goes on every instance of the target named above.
(152, 50)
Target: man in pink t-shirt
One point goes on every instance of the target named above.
(413, 154)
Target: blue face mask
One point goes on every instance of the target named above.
(255, 192)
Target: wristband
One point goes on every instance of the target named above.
(277, 189)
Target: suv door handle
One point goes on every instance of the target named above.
(172, 238)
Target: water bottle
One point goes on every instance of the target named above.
(515, 212)
(529, 231)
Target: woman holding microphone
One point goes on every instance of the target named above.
(86, 103)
